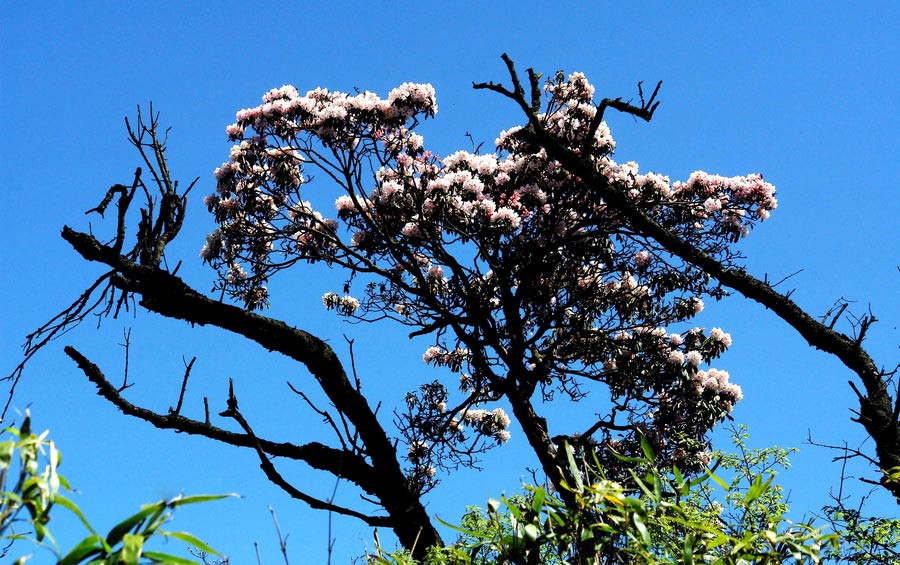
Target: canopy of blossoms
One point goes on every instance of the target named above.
(526, 279)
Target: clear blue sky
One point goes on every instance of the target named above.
(804, 92)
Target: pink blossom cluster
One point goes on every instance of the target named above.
(334, 116)
(438, 438)
(715, 382)
(489, 423)
(507, 244)
(345, 305)
(420, 197)
(730, 199)
(656, 346)
(438, 357)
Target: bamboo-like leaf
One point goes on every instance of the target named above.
(196, 498)
(190, 540)
(719, 481)
(72, 507)
(132, 546)
(576, 473)
(167, 559)
(688, 550)
(757, 488)
(537, 503)
(117, 533)
(641, 528)
(645, 447)
(91, 545)
(6, 451)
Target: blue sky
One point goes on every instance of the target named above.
(804, 92)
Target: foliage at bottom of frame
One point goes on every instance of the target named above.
(30, 487)
(734, 514)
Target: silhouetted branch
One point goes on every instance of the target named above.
(187, 374)
(58, 325)
(164, 293)
(275, 477)
(876, 407)
(339, 462)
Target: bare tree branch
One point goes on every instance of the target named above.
(336, 461)
(276, 478)
(168, 295)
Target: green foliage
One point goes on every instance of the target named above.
(658, 517)
(750, 500)
(32, 461)
(126, 540)
(27, 491)
(864, 540)
(651, 520)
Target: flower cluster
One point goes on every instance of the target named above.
(715, 382)
(344, 305)
(438, 438)
(493, 423)
(454, 360)
(497, 253)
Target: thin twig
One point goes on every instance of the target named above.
(127, 346)
(331, 541)
(326, 417)
(282, 541)
(276, 478)
(187, 373)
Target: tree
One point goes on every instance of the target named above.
(878, 412)
(543, 270)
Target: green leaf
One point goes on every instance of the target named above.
(6, 452)
(626, 459)
(680, 484)
(461, 529)
(641, 528)
(91, 545)
(158, 557)
(40, 530)
(688, 552)
(196, 498)
(190, 540)
(131, 548)
(720, 539)
(719, 481)
(513, 509)
(119, 530)
(696, 526)
(757, 488)
(538, 501)
(648, 451)
(72, 507)
(576, 473)
(739, 546)
(657, 486)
